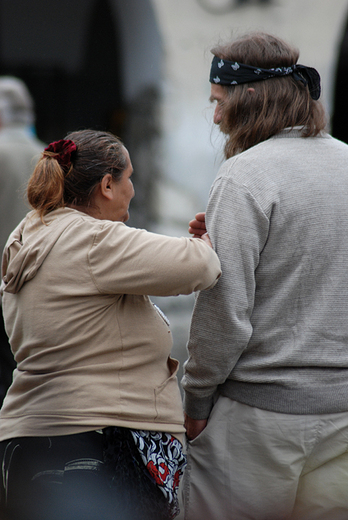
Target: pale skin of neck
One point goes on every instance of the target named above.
(105, 203)
(98, 207)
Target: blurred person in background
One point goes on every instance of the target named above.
(19, 152)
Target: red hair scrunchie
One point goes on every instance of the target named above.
(65, 148)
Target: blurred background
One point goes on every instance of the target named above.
(139, 68)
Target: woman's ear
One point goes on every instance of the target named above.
(106, 186)
(251, 90)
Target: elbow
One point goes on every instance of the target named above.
(210, 272)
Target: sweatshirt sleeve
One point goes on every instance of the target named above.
(125, 260)
(221, 327)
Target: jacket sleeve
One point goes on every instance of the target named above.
(221, 327)
(125, 260)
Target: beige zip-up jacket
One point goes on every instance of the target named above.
(91, 348)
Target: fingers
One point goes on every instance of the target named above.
(197, 232)
(200, 216)
(197, 225)
(206, 239)
(194, 427)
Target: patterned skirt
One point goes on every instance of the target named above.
(114, 474)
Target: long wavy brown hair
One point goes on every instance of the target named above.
(276, 104)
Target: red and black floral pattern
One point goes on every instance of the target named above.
(163, 456)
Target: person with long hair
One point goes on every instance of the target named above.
(92, 425)
(266, 380)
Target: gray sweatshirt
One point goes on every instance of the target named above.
(273, 333)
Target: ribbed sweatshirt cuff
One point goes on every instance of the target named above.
(197, 407)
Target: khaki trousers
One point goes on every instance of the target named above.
(252, 464)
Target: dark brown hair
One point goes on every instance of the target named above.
(98, 153)
(276, 104)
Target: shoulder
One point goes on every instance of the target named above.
(248, 174)
(276, 158)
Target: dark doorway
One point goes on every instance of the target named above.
(90, 95)
(91, 64)
(340, 110)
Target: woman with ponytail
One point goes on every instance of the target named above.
(92, 425)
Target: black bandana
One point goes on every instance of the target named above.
(229, 73)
